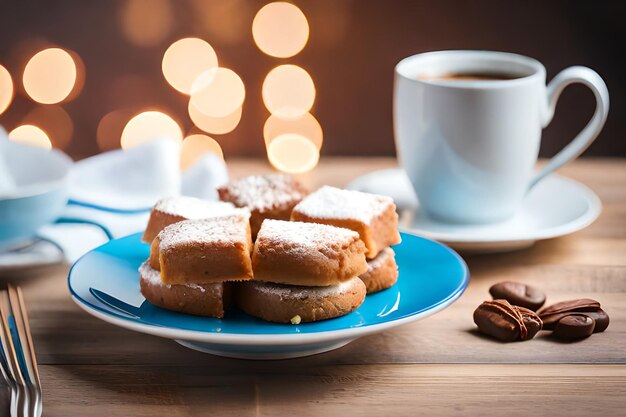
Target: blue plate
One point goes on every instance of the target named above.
(105, 283)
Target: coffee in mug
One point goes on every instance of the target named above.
(470, 77)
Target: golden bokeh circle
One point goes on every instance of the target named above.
(50, 76)
(218, 92)
(280, 29)
(185, 60)
(6, 89)
(293, 153)
(288, 91)
(30, 135)
(305, 125)
(195, 147)
(214, 125)
(148, 126)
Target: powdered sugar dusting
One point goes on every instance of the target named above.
(264, 192)
(380, 259)
(305, 238)
(152, 275)
(154, 278)
(193, 208)
(334, 203)
(231, 229)
(195, 286)
(302, 292)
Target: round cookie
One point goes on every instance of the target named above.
(208, 300)
(282, 303)
(382, 271)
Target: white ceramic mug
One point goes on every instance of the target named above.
(469, 147)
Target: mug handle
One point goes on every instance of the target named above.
(591, 79)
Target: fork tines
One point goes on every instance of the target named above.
(17, 359)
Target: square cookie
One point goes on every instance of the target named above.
(308, 254)
(270, 196)
(372, 216)
(204, 251)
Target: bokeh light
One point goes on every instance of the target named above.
(214, 125)
(30, 135)
(293, 153)
(218, 92)
(185, 60)
(288, 91)
(80, 76)
(146, 22)
(195, 147)
(147, 126)
(225, 22)
(55, 121)
(50, 76)
(110, 128)
(305, 125)
(6, 89)
(280, 29)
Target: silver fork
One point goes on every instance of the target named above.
(19, 365)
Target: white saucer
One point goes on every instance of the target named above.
(557, 206)
(30, 256)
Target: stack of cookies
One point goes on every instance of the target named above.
(315, 257)
(372, 216)
(304, 272)
(193, 263)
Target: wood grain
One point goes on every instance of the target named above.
(439, 366)
(364, 390)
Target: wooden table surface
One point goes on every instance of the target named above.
(435, 367)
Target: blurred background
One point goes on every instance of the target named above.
(118, 50)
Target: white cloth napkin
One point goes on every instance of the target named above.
(127, 179)
(116, 190)
(7, 183)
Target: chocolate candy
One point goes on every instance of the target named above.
(518, 294)
(551, 315)
(507, 323)
(531, 320)
(573, 327)
(601, 319)
(599, 316)
(581, 304)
